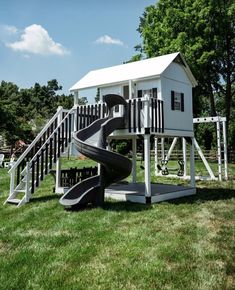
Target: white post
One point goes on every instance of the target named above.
(134, 153)
(192, 165)
(184, 155)
(219, 149)
(208, 168)
(75, 97)
(131, 91)
(163, 148)
(146, 111)
(58, 163)
(225, 151)
(12, 182)
(27, 192)
(155, 156)
(168, 155)
(147, 164)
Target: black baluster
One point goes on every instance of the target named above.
(134, 115)
(51, 153)
(33, 176)
(42, 164)
(46, 159)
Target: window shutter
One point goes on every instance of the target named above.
(182, 102)
(154, 93)
(172, 100)
(139, 93)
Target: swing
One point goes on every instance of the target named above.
(164, 169)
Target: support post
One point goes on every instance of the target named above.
(75, 98)
(225, 151)
(28, 177)
(184, 155)
(192, 165)
(58, 163)
(134, 153)
(155, 156)
(163, 148)
(219, 149)
(212, 176)
(171, 148)
(12, 182)
(147, 164)
(131, 91)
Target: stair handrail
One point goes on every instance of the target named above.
(59, 111)
(53, 132)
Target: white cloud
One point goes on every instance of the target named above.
(106, 39)
(10, 29)
(35, 39)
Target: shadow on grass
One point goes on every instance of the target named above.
(206, 194)
(203, 195)
(112, 205)
(45, 198)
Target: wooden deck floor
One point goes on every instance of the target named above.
(135, 192)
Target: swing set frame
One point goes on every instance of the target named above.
(221, 143)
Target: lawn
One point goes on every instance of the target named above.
(187, 243)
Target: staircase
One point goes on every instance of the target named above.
(38, 159)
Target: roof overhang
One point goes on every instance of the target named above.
(134, 71)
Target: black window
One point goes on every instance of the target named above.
(177, 101)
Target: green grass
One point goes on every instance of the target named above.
(187, 243)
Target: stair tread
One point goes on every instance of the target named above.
(20, 190)
(14, 200)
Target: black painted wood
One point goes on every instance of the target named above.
(163, 126)
(46, 159)
(51, 153)
(134, 115)
(129, 115)
(42, 164)
(33, 176)
(139, 106)
(37, 170)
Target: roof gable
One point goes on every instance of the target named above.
(131, 71)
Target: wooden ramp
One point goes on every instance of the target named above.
(135, 192)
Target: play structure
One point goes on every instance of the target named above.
(161, 166)
(146, 99)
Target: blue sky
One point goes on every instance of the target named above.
(45, 39)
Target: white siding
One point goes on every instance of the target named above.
(175, 79)
(149, 84)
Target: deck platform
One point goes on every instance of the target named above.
(135, 192)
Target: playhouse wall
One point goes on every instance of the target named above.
(175, 79)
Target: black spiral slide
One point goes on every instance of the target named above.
(91, 142)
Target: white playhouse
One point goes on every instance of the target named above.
(158, 92)
(159, 95)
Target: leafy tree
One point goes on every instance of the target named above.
(204, 31)
(23, 109)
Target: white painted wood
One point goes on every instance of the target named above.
(27, 183)
(132, 71)
(146, 111)
(58, 162)
(59, 111)
(76, 97)
(174, 119)
(204, 159)
(134, 154)
(155, 155)
(192, 163)
(163, 148)
(219, 150)
(168, 155)
(184, 148)
(225, 151)
(208, 119)
(147, 163)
